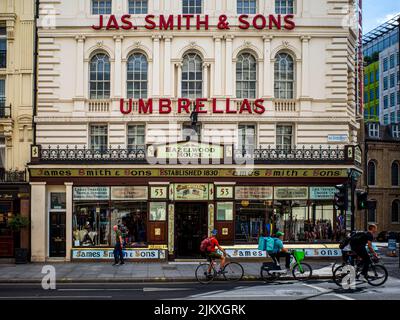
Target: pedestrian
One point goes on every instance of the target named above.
(118, 254)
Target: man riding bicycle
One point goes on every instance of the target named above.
(358, 243)
(279, 251)
(211, 251)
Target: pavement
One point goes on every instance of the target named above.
(147, 272)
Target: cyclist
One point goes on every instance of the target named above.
(279, 251)
(358, 243)
(211, 252)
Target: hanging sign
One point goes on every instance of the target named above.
(322, 193)
(253, 193)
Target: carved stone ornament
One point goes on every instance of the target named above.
(100, 44)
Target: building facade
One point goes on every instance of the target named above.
(172, 118)
(17, 31)
(381, 59)
(381, 177)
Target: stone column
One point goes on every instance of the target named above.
(39, 234)
(205, 80)
(268, 71)
(167, 66)
(79, 101)
(156, 66)
(305, 72)
(217, 66)
(229, 67)
(179, 79)
(118, 66)
(68, 223)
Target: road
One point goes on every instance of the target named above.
(255, 290)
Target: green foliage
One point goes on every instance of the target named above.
(18, 222)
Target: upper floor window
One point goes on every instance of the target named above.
(284, 76)
(391, 61)
(385, 102)
(385, 64)
(395, 173)
(371, 77)
(192, 76)
(385, 119)
(284, 137)
(2, 98)
(284, 6)
(365, 79)
(371, 94)
(136, 136)
(2, 152)
(396, 129)
(385, 83)
(247, 138)
(392, 99)
(371, 173)
(246, 76)
(192, 6)
(377, 75)
(137, 76)
(100, 77)
(138, 6)
(3, 48)
(101, 6)
(98, 137)
(392, 79)
(373, 130)
(395, 211)
(246, 6)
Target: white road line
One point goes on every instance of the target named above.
(58, 297)
(206, 294)
(323, 290)
(86, 289)
(165, 289)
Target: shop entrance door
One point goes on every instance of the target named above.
(57, 234)
(191, 228)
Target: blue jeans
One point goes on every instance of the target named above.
(118, 254)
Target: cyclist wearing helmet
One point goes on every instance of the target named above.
(279, 251)
(211, 250)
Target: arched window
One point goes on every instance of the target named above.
(246, 76)
(137, 76)
(395, 173)
(371, 173)
(395, 211)
(100, 77)
(192, 76)
(284, 76)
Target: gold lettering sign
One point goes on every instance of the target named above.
(190, 150)
(159, 192)
(253, 193)
(291, 193)
(169, 173)
(224, 192)
(191, 191)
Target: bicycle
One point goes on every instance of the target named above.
(301, 271)
(232, 271)
(377, 273)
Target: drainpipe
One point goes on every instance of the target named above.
(35, 71)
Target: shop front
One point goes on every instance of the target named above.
(166, 213)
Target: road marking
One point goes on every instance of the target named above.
(207, 293)
(330, 292)
(164, 289)
(87, 289)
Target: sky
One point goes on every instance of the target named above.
(376, 12)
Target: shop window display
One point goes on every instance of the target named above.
(131, 217)
(250, 220)
(91, 224)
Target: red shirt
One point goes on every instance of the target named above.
(214, 243)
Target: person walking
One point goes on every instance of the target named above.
(118, 254)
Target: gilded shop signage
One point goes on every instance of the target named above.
(185, 191)
(253, 193)
(129, 193)
(91, 193)
(195, 22)
(171, 173)
(290, 193)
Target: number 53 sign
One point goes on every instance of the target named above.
(224, 192)
(159, 192)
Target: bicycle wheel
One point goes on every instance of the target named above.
(303, 273)
(377, 275)
(202, 274)
(233, 271)
(266, 276)
(339, 274)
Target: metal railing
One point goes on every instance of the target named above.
(261, 155)
(12, 176)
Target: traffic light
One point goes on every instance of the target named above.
(362, 200)
(340, 200)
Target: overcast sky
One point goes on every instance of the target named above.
(376, 12)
